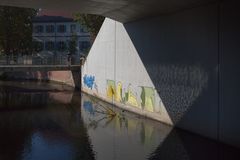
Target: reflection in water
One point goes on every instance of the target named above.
(51, 125)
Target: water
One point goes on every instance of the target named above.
(40, 121)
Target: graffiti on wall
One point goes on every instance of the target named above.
(110, 89)
(131, 97)
(148, 98)
(143, 99)
(89, 81)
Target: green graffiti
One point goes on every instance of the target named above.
(148, 98)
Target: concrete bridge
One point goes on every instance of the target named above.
(173, 61)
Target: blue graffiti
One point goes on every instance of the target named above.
(89, 81)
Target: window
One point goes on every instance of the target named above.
(50, 28)
(62, 46)
(83, 30)
(84, 45)
(73, 28)
(61, 28)
(49, 45)
(38, 29)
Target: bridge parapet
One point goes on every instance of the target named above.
(62, 59)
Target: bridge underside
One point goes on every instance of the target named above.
(120, 10)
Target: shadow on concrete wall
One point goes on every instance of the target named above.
(182, 53)
(182, 64)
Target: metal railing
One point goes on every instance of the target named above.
(60, 59)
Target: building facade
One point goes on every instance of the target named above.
(55, 34)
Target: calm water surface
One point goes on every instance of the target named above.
(40, 121)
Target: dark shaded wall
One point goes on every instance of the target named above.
(230, 72)
(182, 53)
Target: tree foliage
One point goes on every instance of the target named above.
(72, 45)
(16, 29)
(92, 22)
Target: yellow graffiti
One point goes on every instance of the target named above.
(110, 88)
(132, 99)
(115, 92)
(118, 95)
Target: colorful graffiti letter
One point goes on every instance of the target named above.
(89, 81)
(131, 98)
(118, 95)
(110, 88)
(148, 98)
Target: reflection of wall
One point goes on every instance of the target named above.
(142, 135)
(10, 98)
(63, 97)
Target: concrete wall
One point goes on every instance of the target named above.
(229, 128)
(180, 53)
(168, 68)
(114, 72)
(70, 78)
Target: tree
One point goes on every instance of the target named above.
(72, 45)
(16, 29)
(92, 22)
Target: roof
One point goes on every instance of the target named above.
(41, 19)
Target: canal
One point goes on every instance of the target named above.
(42, 121)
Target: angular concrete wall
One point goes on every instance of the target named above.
(229, 111)
(186, 62)
(114, 72)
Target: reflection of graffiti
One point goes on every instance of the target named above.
(130, 96)
(89, 81)
(146, 134)
(110, 88)
(148, 98)
(87, 105)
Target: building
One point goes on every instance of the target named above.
(53, 34)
